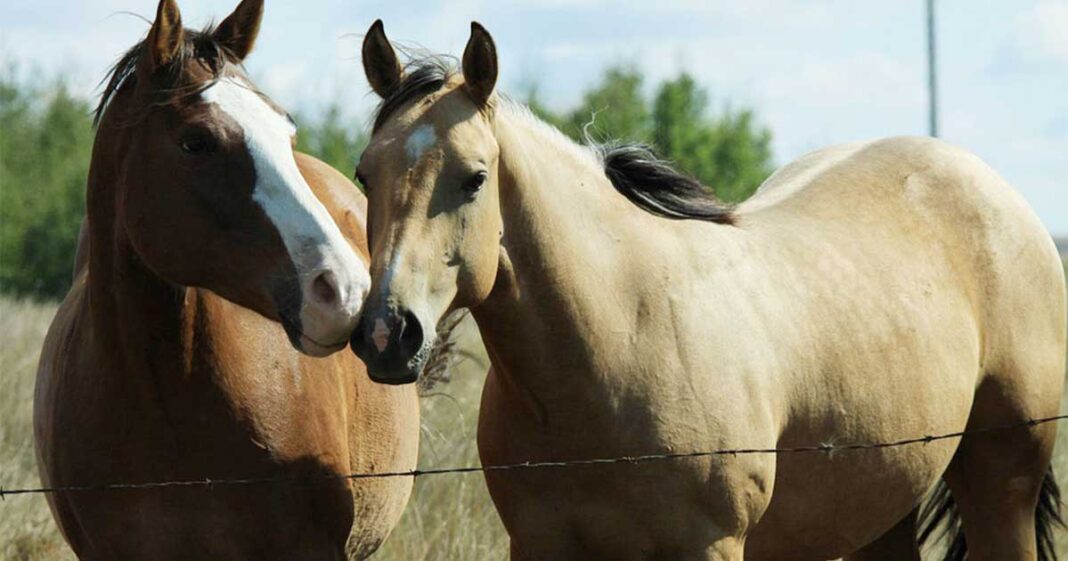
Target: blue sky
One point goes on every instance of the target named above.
(816, 72)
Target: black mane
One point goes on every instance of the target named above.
(422, 77)
(634, 170)
(654, 185)
(198, 45)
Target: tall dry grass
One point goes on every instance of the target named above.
(26, 527)
(449, 517)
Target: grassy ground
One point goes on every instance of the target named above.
(449, 517)
(26, 528)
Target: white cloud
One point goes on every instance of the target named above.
(1042, 32)
(817, 73)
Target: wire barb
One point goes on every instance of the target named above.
(210, 484)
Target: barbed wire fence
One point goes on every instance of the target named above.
(829, 449)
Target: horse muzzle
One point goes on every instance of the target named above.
(391, 341)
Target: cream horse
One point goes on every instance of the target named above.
(867, 293)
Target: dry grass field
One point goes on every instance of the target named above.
(450, 517)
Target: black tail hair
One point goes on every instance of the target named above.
(939, 519)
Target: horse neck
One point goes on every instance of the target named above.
(560, 214)
(135, 315)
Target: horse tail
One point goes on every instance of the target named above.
(939, 519)
(1048, 517)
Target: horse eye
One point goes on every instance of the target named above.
(475, 182)
(197, 145)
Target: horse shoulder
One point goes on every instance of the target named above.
(60, 354)
(323, 408)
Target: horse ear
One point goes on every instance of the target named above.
(239, 30)
(480, 64)
(166, 37)
(380, 62)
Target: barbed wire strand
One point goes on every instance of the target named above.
(209, 483)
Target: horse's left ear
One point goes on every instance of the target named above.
(480, 64)
(380, 63)
(239, 30)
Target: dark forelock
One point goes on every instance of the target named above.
(198, 45)
(422, 77)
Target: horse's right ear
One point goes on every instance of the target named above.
(165, 39)
(239, 30)
(380, 61)
(480, 64)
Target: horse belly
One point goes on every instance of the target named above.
(672, 509)
(828, 504)
(823, 508)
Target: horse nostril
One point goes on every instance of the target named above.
(324, 288)
(411, 338)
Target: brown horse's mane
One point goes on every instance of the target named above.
(645, 179)
(199, 45)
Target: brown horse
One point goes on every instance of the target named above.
(866, 293)
(212, 249)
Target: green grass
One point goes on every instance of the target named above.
(449, 517)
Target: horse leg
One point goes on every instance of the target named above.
(898, 544)
(998, 479)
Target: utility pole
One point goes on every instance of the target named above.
(932, 72)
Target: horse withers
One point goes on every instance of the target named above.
(866, 293)
(219, 271)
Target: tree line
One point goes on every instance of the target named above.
(46, 138)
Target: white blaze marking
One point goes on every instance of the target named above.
(421, 138)
(380, 336)
(310, 235)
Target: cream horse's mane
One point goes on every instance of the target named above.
(634, 169)
(520, 114)
(425, 74)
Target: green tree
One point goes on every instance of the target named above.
(728, 152)
(614, 110)
(45, 141)
(333, 139)
(532, 99)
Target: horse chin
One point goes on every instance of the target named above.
(395, 379)
(306, 345)
(315, 349)
(395, 373)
